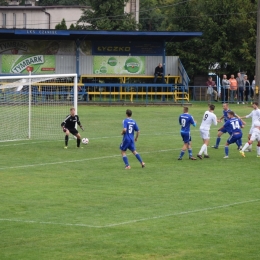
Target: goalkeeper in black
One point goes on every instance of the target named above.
(68, 126)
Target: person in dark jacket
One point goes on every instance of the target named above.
(159, 72)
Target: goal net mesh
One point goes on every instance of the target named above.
(34, 107)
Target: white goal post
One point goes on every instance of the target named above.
(33, 106)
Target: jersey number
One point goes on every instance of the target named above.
(183, 122)
(130, 130)
(206, 116)
(235, 125)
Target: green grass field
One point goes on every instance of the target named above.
(82, 204)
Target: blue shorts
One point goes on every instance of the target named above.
(233, 138)
(127, 145)
(223, 131)
(186, 137)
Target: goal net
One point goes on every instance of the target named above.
(33, 107)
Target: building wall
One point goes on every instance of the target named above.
(38, 17)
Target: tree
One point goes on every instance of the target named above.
(3, 2)
(107, 15)
(63, 2)
(229, 35)
(62, 25)
(151, 15)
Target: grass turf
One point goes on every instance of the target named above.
(82, 204)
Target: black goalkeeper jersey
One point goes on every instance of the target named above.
(70, 122)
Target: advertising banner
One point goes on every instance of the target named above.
(40, 64)
(119, 65)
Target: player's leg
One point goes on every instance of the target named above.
(231, 140)
(183, 150)
(205, 138)
(258, 148)
(67, 133)
(123, 147)
(249, 137)
(190, 151)
(78, 139)
(138, 157)
(220, 133)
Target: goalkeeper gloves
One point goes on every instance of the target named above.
(64, 129)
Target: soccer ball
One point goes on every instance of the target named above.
(85, 140)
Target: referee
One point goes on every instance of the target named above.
(68, 126)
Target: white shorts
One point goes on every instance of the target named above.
(204, 134)
(255, 136)
(251, 130)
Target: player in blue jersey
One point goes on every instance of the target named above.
(223, 131)
(233, 126)
(128, 142)
(185, 120)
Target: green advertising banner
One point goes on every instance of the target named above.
(119, 65)
(40, 64)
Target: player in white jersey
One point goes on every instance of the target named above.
(255, 114)
(255, 136)
(208, 119)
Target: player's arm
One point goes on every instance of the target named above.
(80, 125)
(247, 116)
(136, 135)
(123, 131)
(193, 122)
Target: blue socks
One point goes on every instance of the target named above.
(182, 153)
(138, 157)
(218, 141)
(226, 150)
(190, 152)
(125, 159)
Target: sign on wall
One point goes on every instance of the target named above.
(40, 64)
(119, 65)
(127, 48)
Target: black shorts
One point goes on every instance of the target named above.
(73, 131)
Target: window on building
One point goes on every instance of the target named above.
(14, 20)
(24, 20)
(4, 20)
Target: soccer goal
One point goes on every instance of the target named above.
(33, 107)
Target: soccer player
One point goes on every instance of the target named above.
(254, 136)
(233, 127)
(68, 126)
(185, 121)
(128, 142)
(255, 114)
(223, 131)
(208, 119)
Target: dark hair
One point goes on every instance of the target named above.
(255, 103)
(212, 107)
(185, 109)
(231, 113)
(128, 112)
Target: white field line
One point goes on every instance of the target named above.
(135, 220)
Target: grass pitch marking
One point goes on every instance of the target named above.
(135, 220)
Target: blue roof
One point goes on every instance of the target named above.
(97, 35)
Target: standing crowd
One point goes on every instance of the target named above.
(232, 90)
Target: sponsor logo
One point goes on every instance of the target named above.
(23, 64)
(14, 46)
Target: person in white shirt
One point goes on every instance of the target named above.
(208, 119)
(254, 137)
(255, 114)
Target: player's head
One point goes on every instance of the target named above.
(211, 107)
(255, 105)
(231, 114)
(225, 106)
(128, 112)
(185, 109)
(72, 111)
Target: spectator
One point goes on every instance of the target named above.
(233, 88)
(159, 72)
(253, 88)
(241, 89)
(247, 88)
(224, 89)
(212, 89)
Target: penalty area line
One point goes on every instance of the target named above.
(131, 221)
